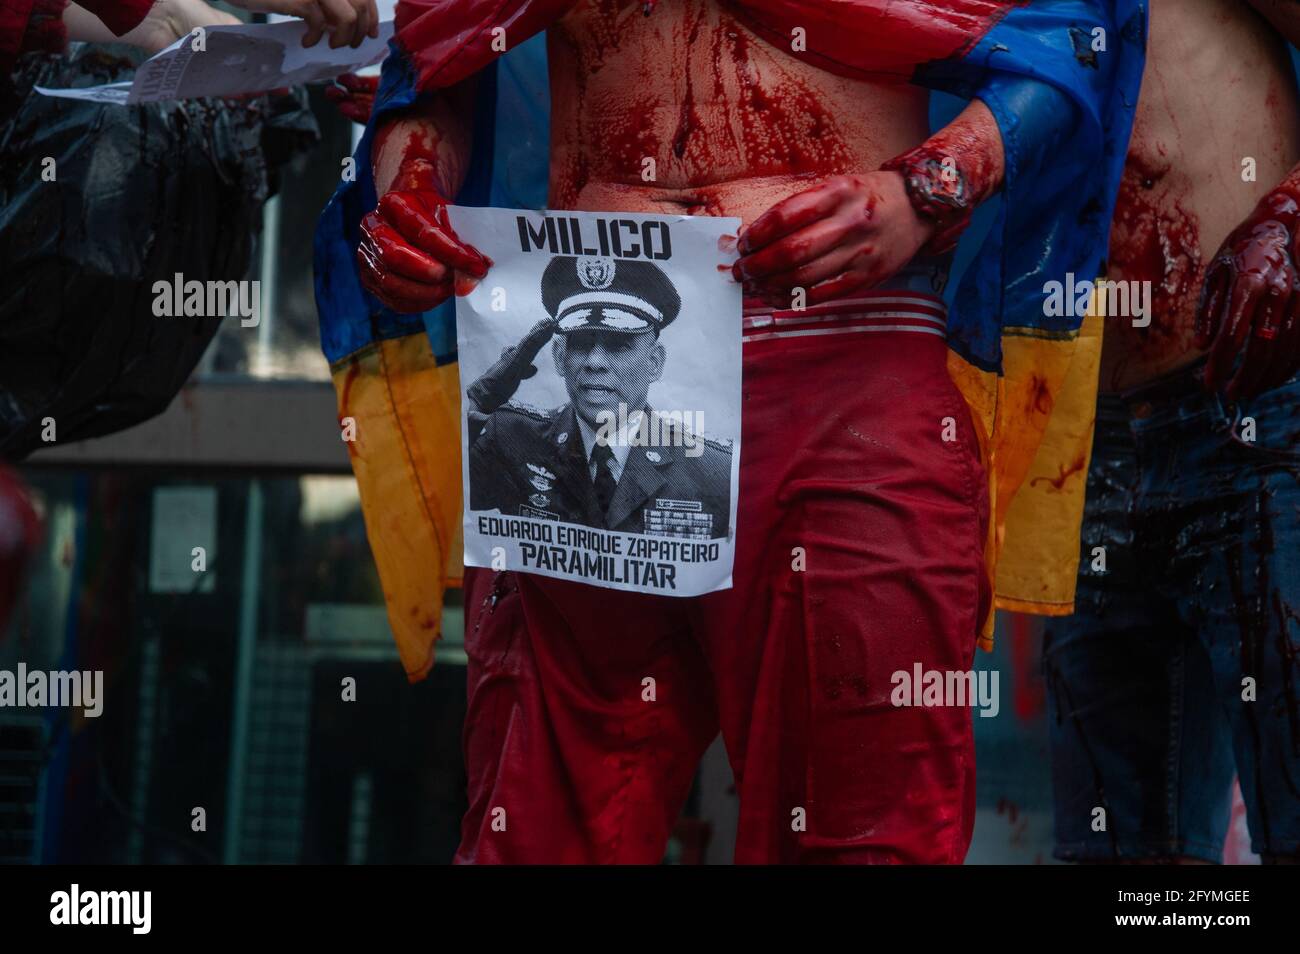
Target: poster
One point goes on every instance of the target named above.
(234, 61)
(600, 364)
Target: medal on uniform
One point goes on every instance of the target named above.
(541, 480)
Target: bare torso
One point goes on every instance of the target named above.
(1218, 88)
(732, 123)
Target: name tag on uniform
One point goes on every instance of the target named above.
(527, 511)
(678, 518)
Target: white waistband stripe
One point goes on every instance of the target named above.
(843, 330)
(921, 314)
(766, 321)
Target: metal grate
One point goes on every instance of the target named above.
(276, 779)
(22, 743)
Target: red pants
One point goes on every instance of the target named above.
(844, 461)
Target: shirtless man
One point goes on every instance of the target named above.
(793, 664)
(1181, 664)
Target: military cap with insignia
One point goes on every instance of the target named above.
(606, 294)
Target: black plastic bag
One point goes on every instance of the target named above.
(140, 194)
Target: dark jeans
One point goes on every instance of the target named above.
(1181, 664)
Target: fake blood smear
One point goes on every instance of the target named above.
(689, 88)
(965, 142)
(786, 126)
(1156, 239)
(417, 163)
(1064, 473)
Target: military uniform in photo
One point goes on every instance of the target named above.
(550, 464)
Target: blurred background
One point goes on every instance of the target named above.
(231, 687)
(225, 683)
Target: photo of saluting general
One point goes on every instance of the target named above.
(606, 458)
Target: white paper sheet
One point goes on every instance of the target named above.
(532, 502)
(250, 58)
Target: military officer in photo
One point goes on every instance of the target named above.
(590, 462)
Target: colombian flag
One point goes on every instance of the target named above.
(1060, 76)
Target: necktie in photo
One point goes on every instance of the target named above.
(603, 458)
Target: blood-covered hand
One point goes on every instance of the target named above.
(844, 235)
(409, 256)
(353, 96)
(1248, 302)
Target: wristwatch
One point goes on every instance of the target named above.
(938, 191)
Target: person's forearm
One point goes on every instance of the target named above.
(974, 144)
(429, 148)
(120, 16)
(409, 254)
(1283, 14)
(164, 23)
(952, 172)
(85, 26)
